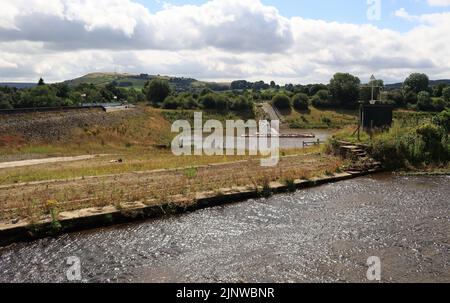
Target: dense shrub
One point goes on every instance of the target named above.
(402, 147)
(315, 88)
(300, 101)
(410, 97)
(4, 104)
(189, 103)
(5, 101)
(443, 120)
(157, 91)
(446, 94)
(241, 104)
(396, 97)
(208, 101)
(221, 103)
(323, 100)
(438, 104)
(424, 101)
(281, 101)
(171, 103)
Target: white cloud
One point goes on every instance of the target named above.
(221, 39)
(439, 2)
(403, 14)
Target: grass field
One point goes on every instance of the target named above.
(134, 159)
(315, 118)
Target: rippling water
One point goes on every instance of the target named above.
(321, 234)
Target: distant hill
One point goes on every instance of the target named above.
(18, 84)
(432, 83)
(138, 81)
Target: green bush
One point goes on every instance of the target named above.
(446, 94)
(443, 120)
(157, 90)
(189, 103)
(4, 104)
(208, 101)
(300, 101)
(281, 101)
(402, 147)
(171, 103)
(439, 104)
(323, 100)
(424, 101)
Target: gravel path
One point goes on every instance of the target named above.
(45, 161)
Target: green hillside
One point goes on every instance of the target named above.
(138, 81)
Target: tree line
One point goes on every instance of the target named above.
(159, 93)
(61, 94)
(347, 92)
(344, 91)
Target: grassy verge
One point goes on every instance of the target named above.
(155, 187)
(320, 119)
(133, 160)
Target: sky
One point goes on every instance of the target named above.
(302, 41)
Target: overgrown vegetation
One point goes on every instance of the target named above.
(415, 141)
(160, 187)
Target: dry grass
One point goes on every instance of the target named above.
(153, 187)
(320, 118)
(134, 159)
(97, 133)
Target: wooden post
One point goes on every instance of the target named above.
(359, 121)
(371, 130)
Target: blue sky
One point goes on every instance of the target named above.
(348, 11)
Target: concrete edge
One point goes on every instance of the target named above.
(107, 216)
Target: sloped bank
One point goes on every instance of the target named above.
(106, 216)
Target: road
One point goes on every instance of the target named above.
(271, 112)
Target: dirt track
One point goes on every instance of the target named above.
(45, 161)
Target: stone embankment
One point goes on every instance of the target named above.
(359, 156)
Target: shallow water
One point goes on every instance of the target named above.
(285, 143)
(321, 234)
